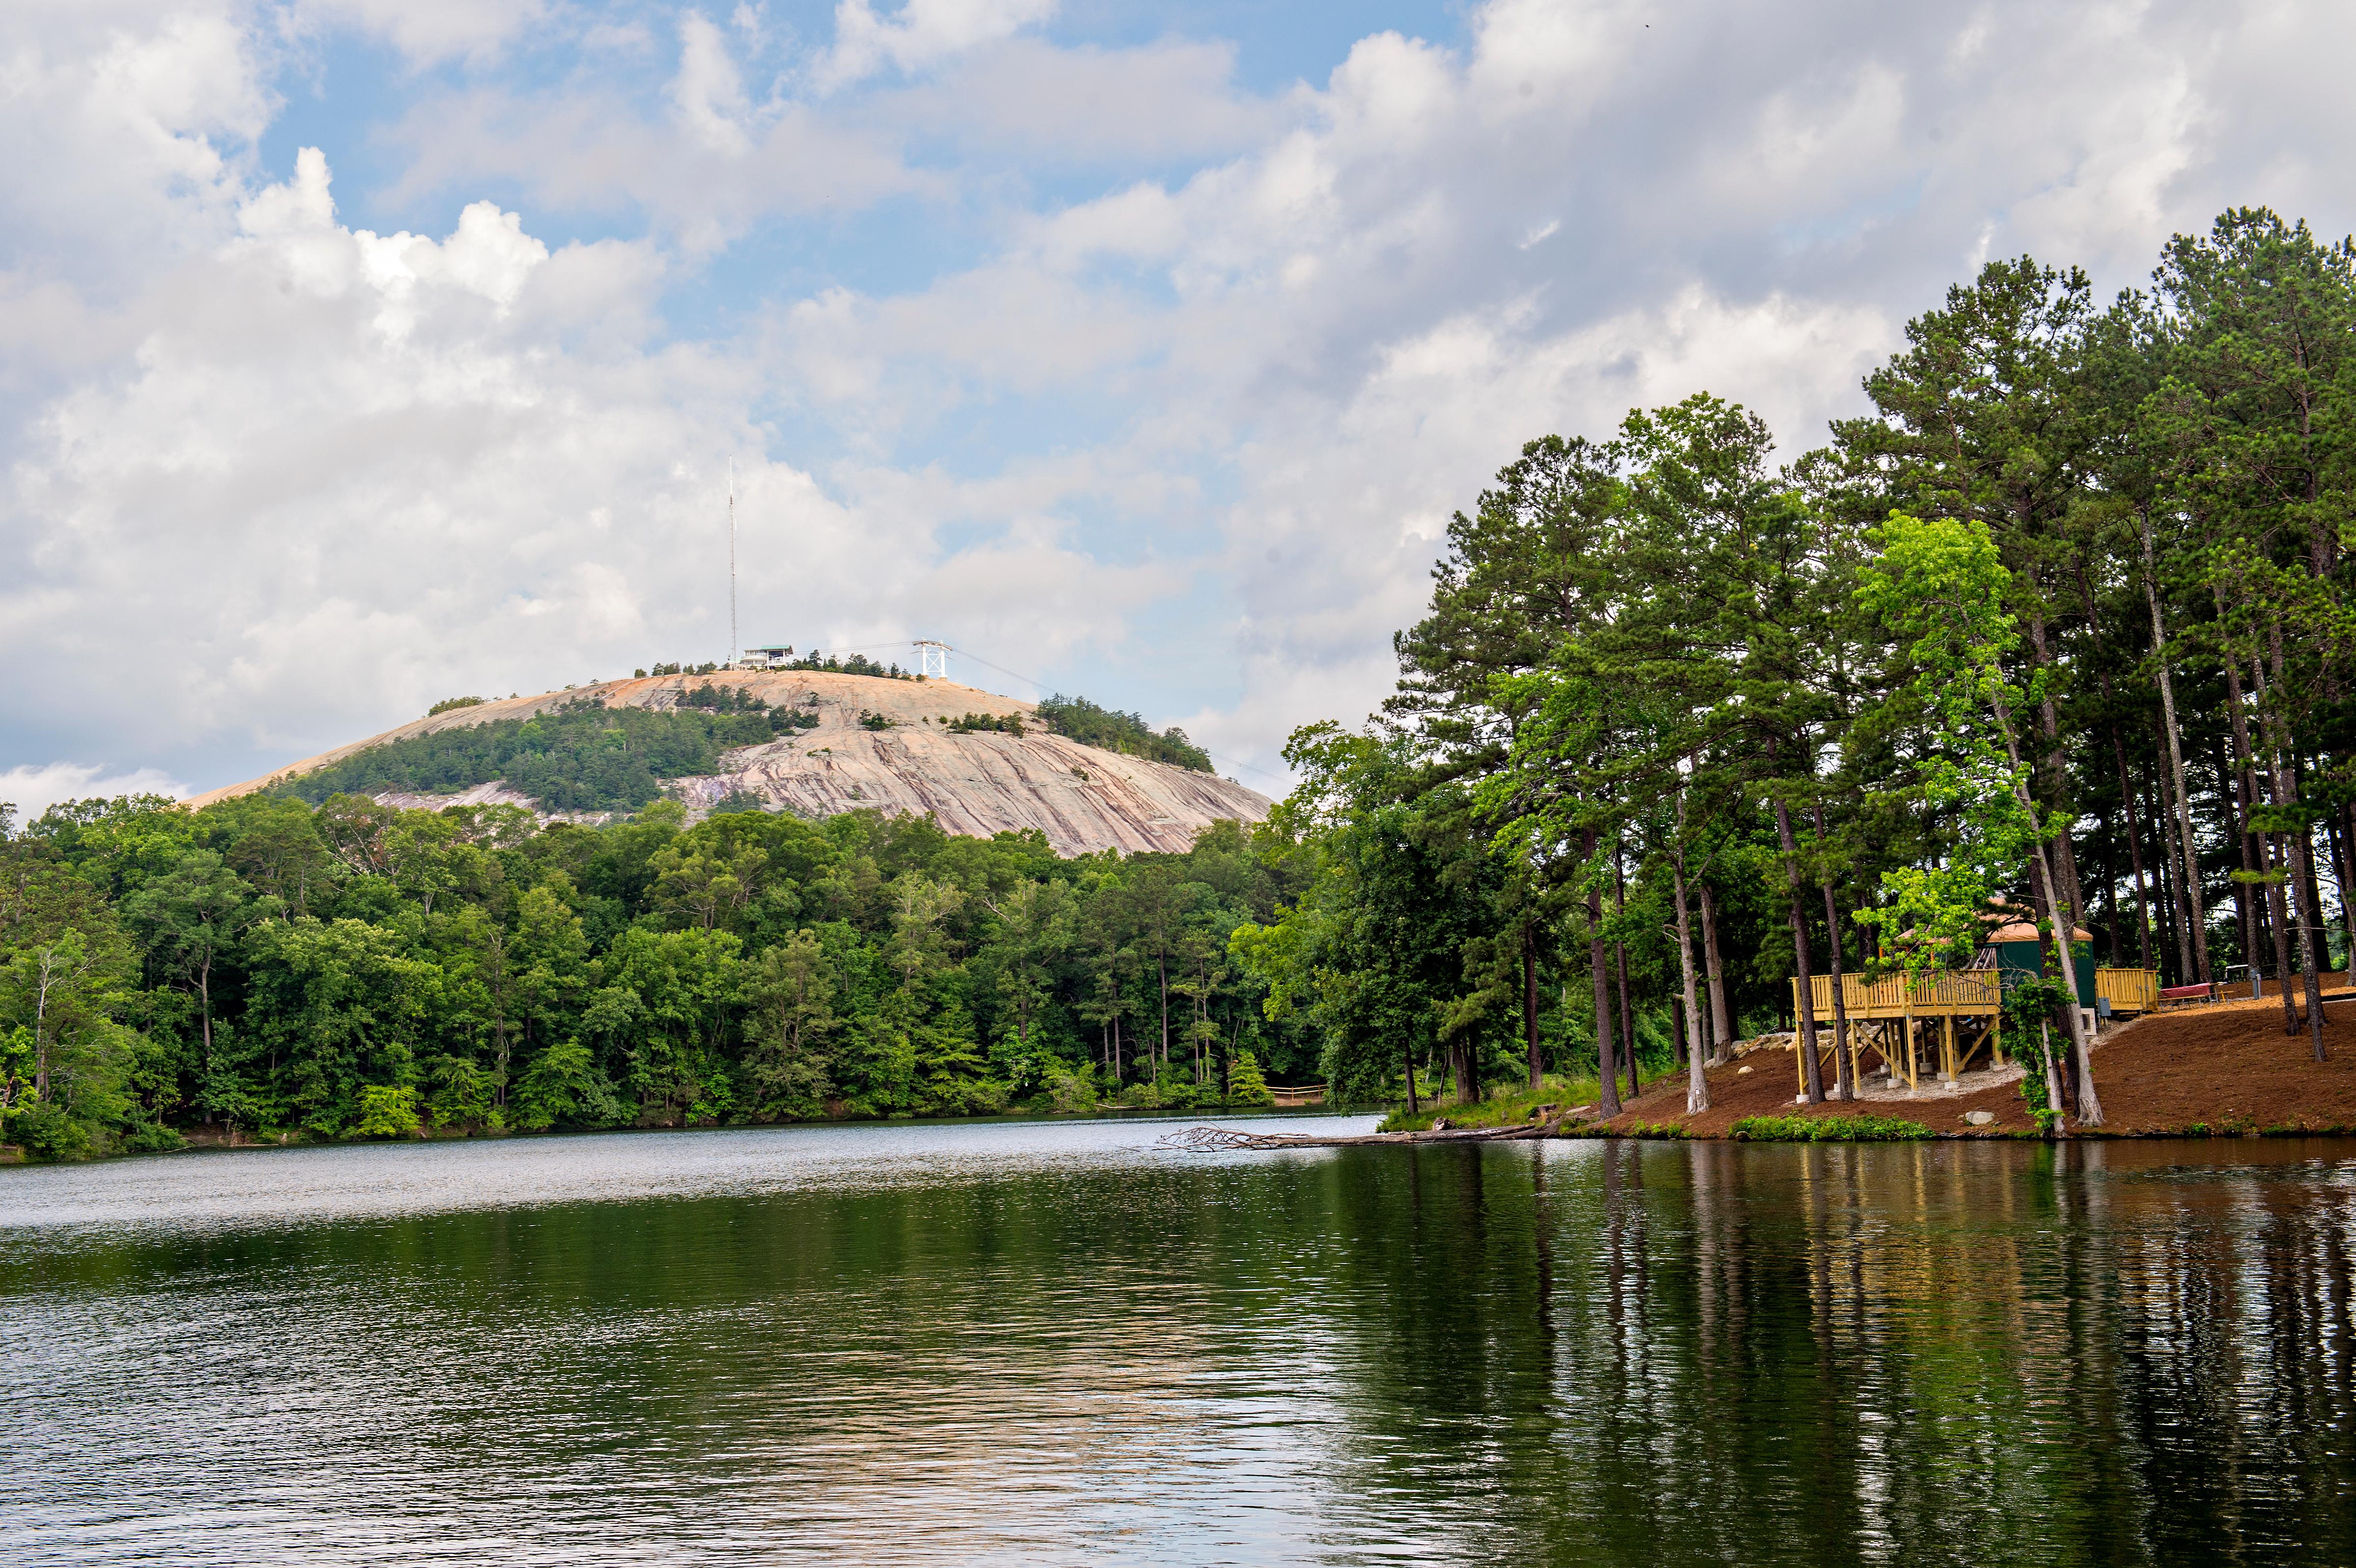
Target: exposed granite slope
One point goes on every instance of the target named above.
(987, 781)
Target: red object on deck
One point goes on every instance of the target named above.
(2185, 993)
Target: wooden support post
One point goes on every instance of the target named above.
(1948, 1046)
(1913, 1068)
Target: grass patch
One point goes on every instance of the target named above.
(1506, 1105)
(1655, 1130)
(1829, 1129)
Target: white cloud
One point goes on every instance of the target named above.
(33, 787)
(1081, 352)
(368, 471)
(707, 94)
(429, 31)
(923, 33)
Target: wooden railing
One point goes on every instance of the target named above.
(1951, 992)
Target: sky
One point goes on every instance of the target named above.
(356, 354)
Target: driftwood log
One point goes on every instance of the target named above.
(1213, 1139)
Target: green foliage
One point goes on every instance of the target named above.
(2030, 1005)
(848, 664)
(1842, 703)
(582, 757)
(386, 1110)
(868, 720)
(1510, 1104)
(469, 971)
(724, 699)
(1941, 586)
(447, 703)
(974, 723)
(1078, 718)
(1246, 1085)
(1829, 1129)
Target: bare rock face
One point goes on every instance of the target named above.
(884, 745)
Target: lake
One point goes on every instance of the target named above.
(1061, 1342)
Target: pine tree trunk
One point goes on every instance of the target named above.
(2336, 836)
(1804, 1025)
(2090, 1110)
(1607, 1064)
(1721, 1021)
(2057, 773)
(1530, 1006)
(2126, 804)
(1607, 1067)
(2189, 855)
(2272, 847)
(1844, 1081)
(2164, 884)
(2302, 857)
(1620, 965)
(2179, 921)
(2246, 796)
(1697, 1077)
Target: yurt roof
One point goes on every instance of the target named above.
(2026, 931)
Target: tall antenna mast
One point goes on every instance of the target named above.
(731, 661)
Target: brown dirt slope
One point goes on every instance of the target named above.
(1082, 798)
(2223, 1069)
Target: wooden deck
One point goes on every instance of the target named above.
(1901, 1021)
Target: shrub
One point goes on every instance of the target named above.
(151, 1137)
(1004, 724)
(1071, 1092)
(447, 703)
(1829, 1129)
(1246, 1085)
(724, 699)
(48, 1132)
(387, 1111)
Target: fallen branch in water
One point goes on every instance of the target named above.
(1206, 1140)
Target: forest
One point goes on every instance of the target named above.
(2058, 620)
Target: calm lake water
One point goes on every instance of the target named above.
(1060, 1343)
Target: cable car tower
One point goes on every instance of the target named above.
(932, 659)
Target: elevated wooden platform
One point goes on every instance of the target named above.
(1902, 1020)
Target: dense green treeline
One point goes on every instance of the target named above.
(2062, 621)
(581, 757)
(1109, 729)
(357, 970)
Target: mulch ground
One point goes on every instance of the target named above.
(2222, 1068)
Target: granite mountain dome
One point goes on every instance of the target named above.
(859, 741)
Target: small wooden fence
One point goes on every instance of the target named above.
(1298, 1093)
(2127, 990)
